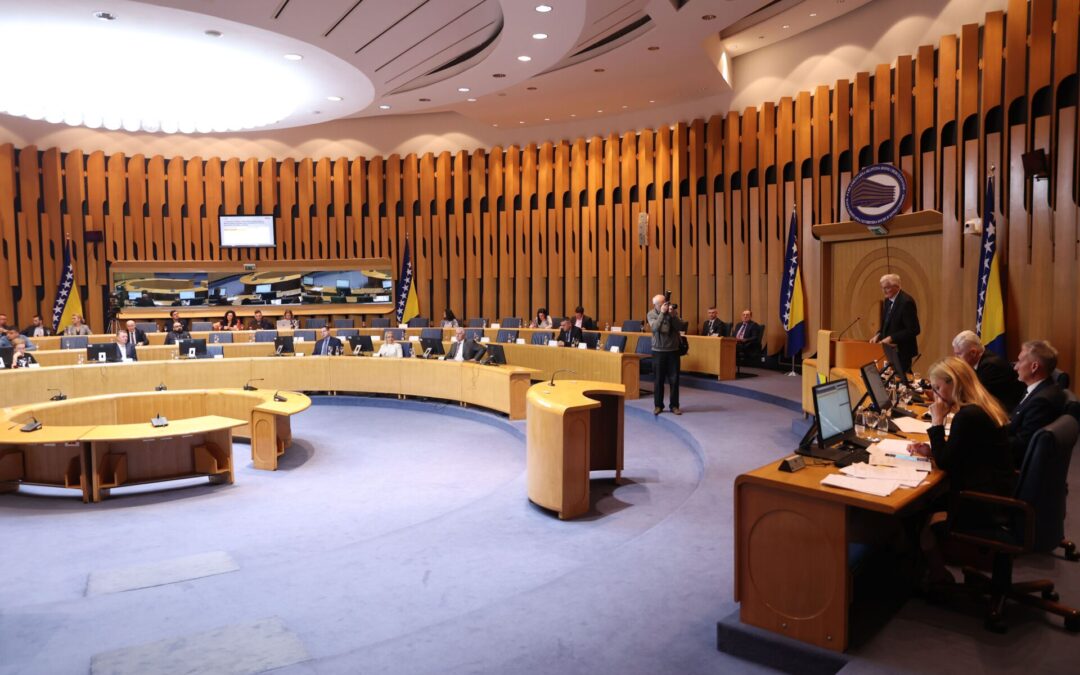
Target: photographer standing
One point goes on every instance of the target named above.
(665, 350)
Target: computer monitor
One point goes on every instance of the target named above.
(223, 292)
(93, 352)
(387, 283)
(892, 355)
(832, 406)
(494, 354)
(187, 295)
(283, 344)
(262, 288)
(343, 284)
(362, 341)
(434, 344)
(309, 281)
(879, 395)
(134, 295)
(6, 354)
(184, 347)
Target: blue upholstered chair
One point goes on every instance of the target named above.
(476, 322)
(147, 326)
(346, 333)
(314, 322)
(307, 334)
(474, 333)
(431, 333)
(343, 323)
(590, 338)
(418, 322)
(631, 326)
(202, 326)
(215, 350)
(380, 322)
(615, 340)
(265, 335)
(506, 336)
(510, 322)
(74, 342)
(541, 337)
(219, 338)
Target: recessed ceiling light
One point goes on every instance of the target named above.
(494, 125)
(463, 90)
(105, 16)
(501, 93)
(524, 59)
(761, 37)
(425, 100)
(708, 17)
(521, 121)
(599, 111)
(335, 99)
(543, 9)
(212, 33)
(813, 13)
(471, 100)
(384, 107)
(293, 57)
(625, 107)
(652, 100)
(539, 36)
(785, 26)
(573, 114)
(654, 48)
(499, 75)
(598, 70)
(547, 119)
(316, 112)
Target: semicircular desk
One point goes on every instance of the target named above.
(573, 427)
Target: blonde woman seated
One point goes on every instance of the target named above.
(976, 453)
(77, 326)
(390, 348)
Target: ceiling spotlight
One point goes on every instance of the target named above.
(335, 99)
(708, 17)
(212, 33)
(652, 101)
(547, 119)
(105, 16)
(384, 107)
(521, 121)
(625, 107)
(785, 26)
(524, 59)
(573, 114)
(471, 100)
(813, 14)
(499, 75)
(543, 9)
(463, 90)
(539, 36)
(293, 57)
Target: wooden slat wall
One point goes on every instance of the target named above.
(501, 232)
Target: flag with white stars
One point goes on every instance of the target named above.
(68, 302)
(791, 293)
(408, 305)
(990, 308)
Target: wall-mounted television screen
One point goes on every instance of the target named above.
(246, 231)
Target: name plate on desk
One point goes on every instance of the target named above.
(582, 345)
(485, 340)
(792, 464)
(520, 341)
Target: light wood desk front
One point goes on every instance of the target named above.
(573, 427)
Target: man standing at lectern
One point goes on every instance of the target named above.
(899, 320)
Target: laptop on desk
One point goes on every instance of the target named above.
(835, 425)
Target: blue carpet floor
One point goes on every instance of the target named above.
(397, 538)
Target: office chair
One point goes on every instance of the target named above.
(345, 333)
(1031, 521)
(343, 323)
(406, 349)
(590, 338)
(265, 335)
(506, 336)
(474, 333)
(215, 350)
(1061, 378)
(307, 334)
(631, 326)
(476, 322)
(314, 322)
(204, 326)
(431, 333)
(147, 326)
(418, 322)
(541, 337)
(615, 340)
(510, 322)
(398, 333)
(644, 346)
(74, 342)
(219, 338)
(380, 322)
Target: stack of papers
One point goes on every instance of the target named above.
(911, 425)
(891, 467)
(906, 476)
(870, 486)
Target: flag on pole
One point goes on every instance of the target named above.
(990, 308)
(791, 293)
(68, 303)
(408, 305)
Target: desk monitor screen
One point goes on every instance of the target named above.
(387, 283)
(309, 281)
(134, 295)
(343, 284)
(494, 354)
(187, 295)
(198, 344)
(246, 230)
(434, 344)
(363, 341)
(283, 344)
(6, 354)
(879, 396)
(262, 288)
(893, 356)
(108, 349)
(832, 406)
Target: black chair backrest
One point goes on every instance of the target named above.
(541, 337)
(615, 340)
(476, 322)
(1043, 476)
(406, 349)
(510, 322)
(644, 345)
(631, 326)
(432, 333)
(380, 322)
(314, 322)
(418, 322)
(506, 336)
(1061, 378)
(590, 338)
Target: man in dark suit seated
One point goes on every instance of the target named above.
(327, 345)
(136, 335)
(125, 351)
(174, 316)
(174, 336)
(261, 323)
(461, 349)
(713, 326)
(569, 334)
(36, 328)
(581, 321)
(993, 372)
(1043, 402)
(748, 333)
(899, 320)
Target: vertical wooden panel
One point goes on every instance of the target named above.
(882, 93)
(609, 231)
(548, 201)
(305, 208)
(371, 229)
(629, 279)
(233, 200)
(441, 294)
(214, 197)
(590, 230)
(287, 205)
(392, 239)
(136, 239)
(95, 261)
(321, 239)
(534, 232)
(196, 225)
(52, 235)
(458, 241)
(409, 196)
(251, 192)
(644, 255)
(475, 230)
(426, 238)
(354, 236)
(116, 200)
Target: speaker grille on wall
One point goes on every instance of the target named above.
(1035, 165)
(93, 236)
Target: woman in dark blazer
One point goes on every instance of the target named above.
(975, 455)
(230, 322)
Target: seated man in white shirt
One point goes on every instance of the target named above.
(389, 348)
(460, 348)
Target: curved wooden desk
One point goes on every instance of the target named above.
(573, 427)
(99, 442)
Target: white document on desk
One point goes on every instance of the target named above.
(911, 425)
(893, 452)
(907, 476)
(870, 486)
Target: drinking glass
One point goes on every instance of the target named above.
(870, 421)
(883, 422)
(860, 423)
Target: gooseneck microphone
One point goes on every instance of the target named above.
(248, 386)
(857, 319)
(562, 370)
(279, 398)
(32, 425)
(59, 396)
(161, 387)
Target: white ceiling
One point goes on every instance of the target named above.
(601, 57)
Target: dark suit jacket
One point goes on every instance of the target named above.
(568, 338)
(139, 338)
(130, 352)
(1044, 405)
(752, 334)
(327, 346)
(587, 322)
(902, 327)
(263, 324)
(714, 327)
(29, 332)
(172, 337)
(1000, 380)
(976, 455)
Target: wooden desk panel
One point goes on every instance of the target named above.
(587, 364)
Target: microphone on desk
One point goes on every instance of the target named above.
(58, 396)
(32, 425)
(562, 370)
(279, 398)
(248, 386)
(857, 319)
(161, 387)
